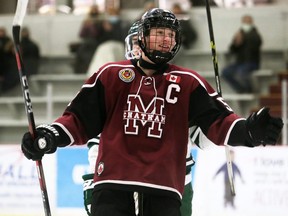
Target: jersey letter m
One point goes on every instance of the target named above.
(151, 116)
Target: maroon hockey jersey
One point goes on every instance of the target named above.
(144, 124)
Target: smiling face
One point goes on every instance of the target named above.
(159, 35)
(159, 43)
(161, 39)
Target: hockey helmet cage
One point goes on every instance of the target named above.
(132, 49)
(157, 17)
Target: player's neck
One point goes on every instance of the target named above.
(148, 68)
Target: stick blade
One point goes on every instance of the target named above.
(20, 12)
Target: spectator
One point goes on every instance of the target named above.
(245, 47)
(92, 33)
(189, 34)
(9, 77)
(30, 52)
(97, 29)
(91, 25)
(114, 26)
(112, 46)
(4, 43)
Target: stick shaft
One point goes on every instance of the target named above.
(219, 91)
(23, 80)
(19, 15)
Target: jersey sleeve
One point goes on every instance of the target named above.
(211, 113)
(84, 117)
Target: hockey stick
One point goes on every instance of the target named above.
(219, 91)
(17, 22)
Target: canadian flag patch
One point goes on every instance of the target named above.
(173, 78)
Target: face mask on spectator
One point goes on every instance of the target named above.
(246, 27)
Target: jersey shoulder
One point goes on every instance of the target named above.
(116, 65)
(192, 75)
(185, 71)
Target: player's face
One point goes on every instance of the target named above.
(161, 39)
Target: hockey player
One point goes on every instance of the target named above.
(143, 109)
(133, 51)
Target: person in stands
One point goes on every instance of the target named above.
(245, 49)
(30, 52)
(9, 77)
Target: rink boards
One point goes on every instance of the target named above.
(261, 187)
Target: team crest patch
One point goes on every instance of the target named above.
(100, 168)
(126, 75)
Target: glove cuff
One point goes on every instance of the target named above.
(255, 130)
(49, 128)
(51, 137)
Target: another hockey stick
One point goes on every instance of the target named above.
(17, 22)
(219, 91)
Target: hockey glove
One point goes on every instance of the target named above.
(87, 191)
(44, 142)
(262, 128)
